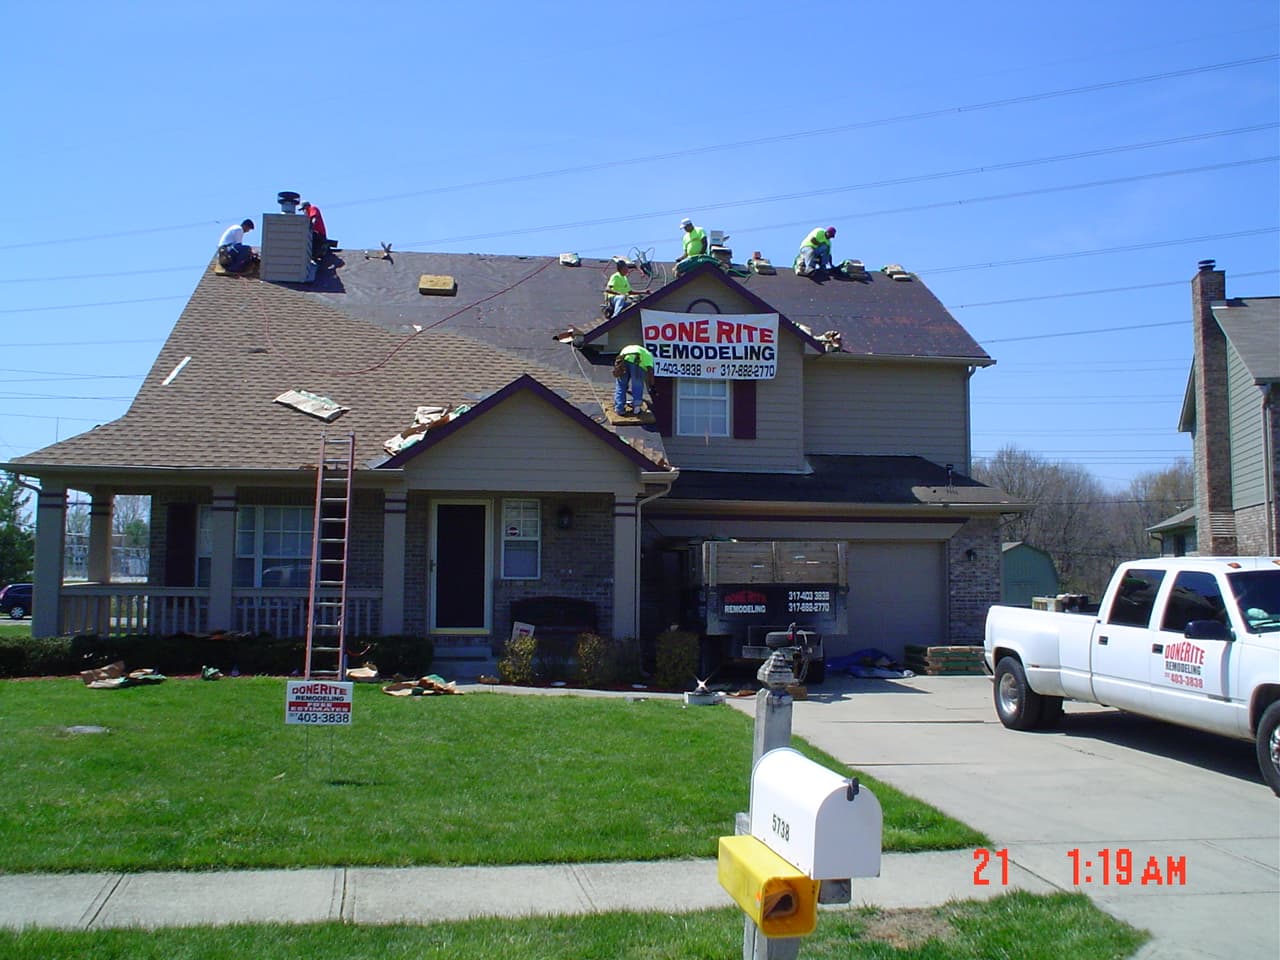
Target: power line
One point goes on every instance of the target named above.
(1089, 293)
(1084, 333)
(98, 303)
(1259, 231)
(713, 148)
(822, 131)
(86, 343)
(858, 215)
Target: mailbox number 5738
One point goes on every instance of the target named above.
(781, 828)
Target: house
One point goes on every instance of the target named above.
(850, 422)
(1229, 409)
(1026, 572)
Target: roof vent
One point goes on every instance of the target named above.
(1207, 265)
(894, 271)
(288, 201)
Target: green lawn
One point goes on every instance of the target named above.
(198, 775)
(14, 628)
(1015, 925)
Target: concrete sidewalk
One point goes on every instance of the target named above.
(98, 901)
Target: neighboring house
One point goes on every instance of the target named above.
(860, 434)
(1229, 409)
(1026, 572)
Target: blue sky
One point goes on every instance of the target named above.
(539, 128)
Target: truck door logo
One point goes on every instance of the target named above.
(1184, 664)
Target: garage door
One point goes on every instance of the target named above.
(897, 595)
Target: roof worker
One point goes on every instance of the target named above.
(695, 240)
(815, 251)
(619, 287)
(632, 370)
(234, 254)
(319, 238)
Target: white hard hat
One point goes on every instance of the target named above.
(686, 222)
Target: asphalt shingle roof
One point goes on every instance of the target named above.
(364, 336)
(1253, 327)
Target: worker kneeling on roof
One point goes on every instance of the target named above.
(234, 255)
(815, 251)
(618, 287)
(634, 370)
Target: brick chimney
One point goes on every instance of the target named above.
(1215, 519)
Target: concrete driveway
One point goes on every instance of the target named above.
(1132, 796)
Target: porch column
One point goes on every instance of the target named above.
(395, 509)
(101, 506)
(626, 585)
(51, 546)
(222, 535)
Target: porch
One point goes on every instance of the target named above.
(121, 609)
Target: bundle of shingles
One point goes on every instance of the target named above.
(425, 418)
(943, 661)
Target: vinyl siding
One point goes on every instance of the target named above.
(889, 408)
(1244, 403)
(778, 446)
(524, 445)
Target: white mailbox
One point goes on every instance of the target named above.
(818, 821)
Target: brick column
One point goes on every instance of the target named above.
(1215, 523)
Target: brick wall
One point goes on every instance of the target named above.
(575, 563)
(1212, 445)
(973, 585)
(1251, 531)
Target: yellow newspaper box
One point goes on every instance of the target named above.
(778, 898)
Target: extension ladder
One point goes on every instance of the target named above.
(330, 538)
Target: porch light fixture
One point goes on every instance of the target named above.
(564, 518)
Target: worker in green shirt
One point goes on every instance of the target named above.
(695, 240)
(618, 287)
(815, 251)
(633, 369)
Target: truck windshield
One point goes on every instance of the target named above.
(1258, 593)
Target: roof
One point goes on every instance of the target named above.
(363, 335)
(1180, 520)
(250, 341)
(1253, 327)
(893, 481)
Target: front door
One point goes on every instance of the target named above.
(461, 557)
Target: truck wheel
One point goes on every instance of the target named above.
(1017, 705)
(1269, 747)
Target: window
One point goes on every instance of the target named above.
(1195, 596)
(521, 539)
(702, 408)
(273, 547)
(1136, 598)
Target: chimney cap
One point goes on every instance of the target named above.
(1207, 264)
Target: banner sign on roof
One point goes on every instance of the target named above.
(711, 346)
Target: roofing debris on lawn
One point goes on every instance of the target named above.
(113, 677)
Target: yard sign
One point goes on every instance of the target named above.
(325, 702)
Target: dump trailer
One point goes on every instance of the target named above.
(751, 588)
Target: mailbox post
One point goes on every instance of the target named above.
(806, 825)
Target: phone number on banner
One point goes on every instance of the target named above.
(715, 371)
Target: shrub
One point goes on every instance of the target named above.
(519, 665)
(677, 659)
(621, 664)
(590, 653)
(408, 656)
(36, 657)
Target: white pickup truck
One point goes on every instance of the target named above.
(1190, 640)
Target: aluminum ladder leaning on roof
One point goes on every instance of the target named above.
(327, 601)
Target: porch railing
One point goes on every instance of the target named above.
(119, 609)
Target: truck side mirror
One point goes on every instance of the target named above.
(1208, 630)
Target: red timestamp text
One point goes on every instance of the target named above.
(1119, 867)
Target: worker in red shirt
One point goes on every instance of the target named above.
(319, 238)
